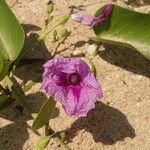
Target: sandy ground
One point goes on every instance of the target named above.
(120, 122)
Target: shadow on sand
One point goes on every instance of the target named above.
(14, 135)
(107, 125)
(138, 3)
(127, 59)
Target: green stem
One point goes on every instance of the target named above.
(65, 147)
(5, 102)
(58, 45)
(17, 93)
(46, 32)
(4, 91)
(41, 38)
(56, 49)
(97, 48)
(49, 131)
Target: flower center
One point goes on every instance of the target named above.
(74, 78)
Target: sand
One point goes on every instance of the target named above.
(121, 121)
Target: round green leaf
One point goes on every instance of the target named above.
(11, 33)
(127, 28)
(11, 38)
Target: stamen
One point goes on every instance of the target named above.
(74, 78)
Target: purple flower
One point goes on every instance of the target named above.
(70, 81)
(93, 21)
(84, 19)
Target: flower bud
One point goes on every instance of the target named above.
(64, 34)
(48, 20)
(63, 20)
(53, 37)
(50, 8)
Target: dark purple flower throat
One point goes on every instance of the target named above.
(74, 79)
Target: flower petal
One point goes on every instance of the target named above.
(92, 82)
(77, 17)
(71, 99)
(88, 20)
(80, 99)
(86, 102)
(104, 15)
(83, 69)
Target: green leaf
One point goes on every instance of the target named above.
(44, 114)
(18, 95)
(1, 63)
(28, 86)
(5, 69)
(42, 143)
(11, 37)
(5, 101)
(126, 28)
(34, 115)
